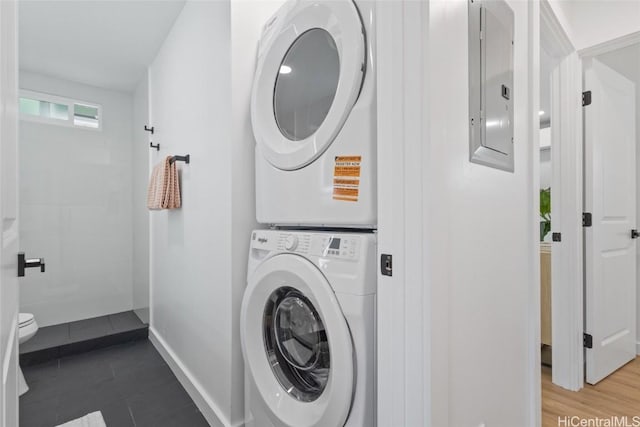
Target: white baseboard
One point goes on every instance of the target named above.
(638, 348)
(209, 409)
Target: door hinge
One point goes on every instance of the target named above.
(386, 265)
(556, 237)
(587, 219)
(586, 98)
(587, 340)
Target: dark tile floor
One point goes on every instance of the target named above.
(54, 342)
(130, 383)
(82, 330)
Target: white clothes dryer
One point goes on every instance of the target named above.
(307, 329)
(313, 111)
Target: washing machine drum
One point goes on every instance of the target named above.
(310, 69)
(297, 344)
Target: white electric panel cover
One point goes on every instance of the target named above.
(491, 25)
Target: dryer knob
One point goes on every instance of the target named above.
(291, 242)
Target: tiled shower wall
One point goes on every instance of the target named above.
(76, 208)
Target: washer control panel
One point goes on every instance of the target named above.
(291, 242)
(337, 246)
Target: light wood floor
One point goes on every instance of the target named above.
(617, 395)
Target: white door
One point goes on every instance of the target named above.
(610, 195)
(8, 214)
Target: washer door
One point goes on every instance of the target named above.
(296, 344)
(308, 77)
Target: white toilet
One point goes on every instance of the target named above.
(27, 328)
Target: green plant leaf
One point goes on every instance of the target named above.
(545, 204)
(545, 212)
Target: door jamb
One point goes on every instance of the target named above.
(566, 206)
(404, 358)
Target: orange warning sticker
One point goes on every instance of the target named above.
(346, 182)
(347, 171)
(353, 192)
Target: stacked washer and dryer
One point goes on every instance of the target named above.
(308, 317)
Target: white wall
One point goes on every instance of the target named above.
(199, 253)
(482, 240)
(75, 207)
(590, 22)
(192, 267)
(140, 181)
(247, 20)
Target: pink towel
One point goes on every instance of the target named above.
(164, 186)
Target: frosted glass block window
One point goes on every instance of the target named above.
(46, 109)
(86, 115)
(52, 109)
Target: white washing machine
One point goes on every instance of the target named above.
(313, 110)
(308, 329)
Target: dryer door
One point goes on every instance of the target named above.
(309, 74)
(296, 344)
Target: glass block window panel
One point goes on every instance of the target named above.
(86, 115)
(46, 109)
(57, 110)
(30, 106)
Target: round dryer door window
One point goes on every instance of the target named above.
(306, 84)
(296, 344)
(308, 77)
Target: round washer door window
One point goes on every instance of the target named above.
(306, 84)
(296, 344)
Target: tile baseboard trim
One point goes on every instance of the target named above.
(209, 409)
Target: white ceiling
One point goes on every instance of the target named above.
(105, 43)
(626, 61)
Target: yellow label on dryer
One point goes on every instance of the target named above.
(346, 178)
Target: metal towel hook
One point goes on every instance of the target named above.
(185, 159)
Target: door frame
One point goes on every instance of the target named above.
(404, 356)
(9, 208)
(568, 178)
(566, 203)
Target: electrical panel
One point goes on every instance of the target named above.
(491, 27)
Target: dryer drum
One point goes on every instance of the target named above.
(296, 344)
(306, 84)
